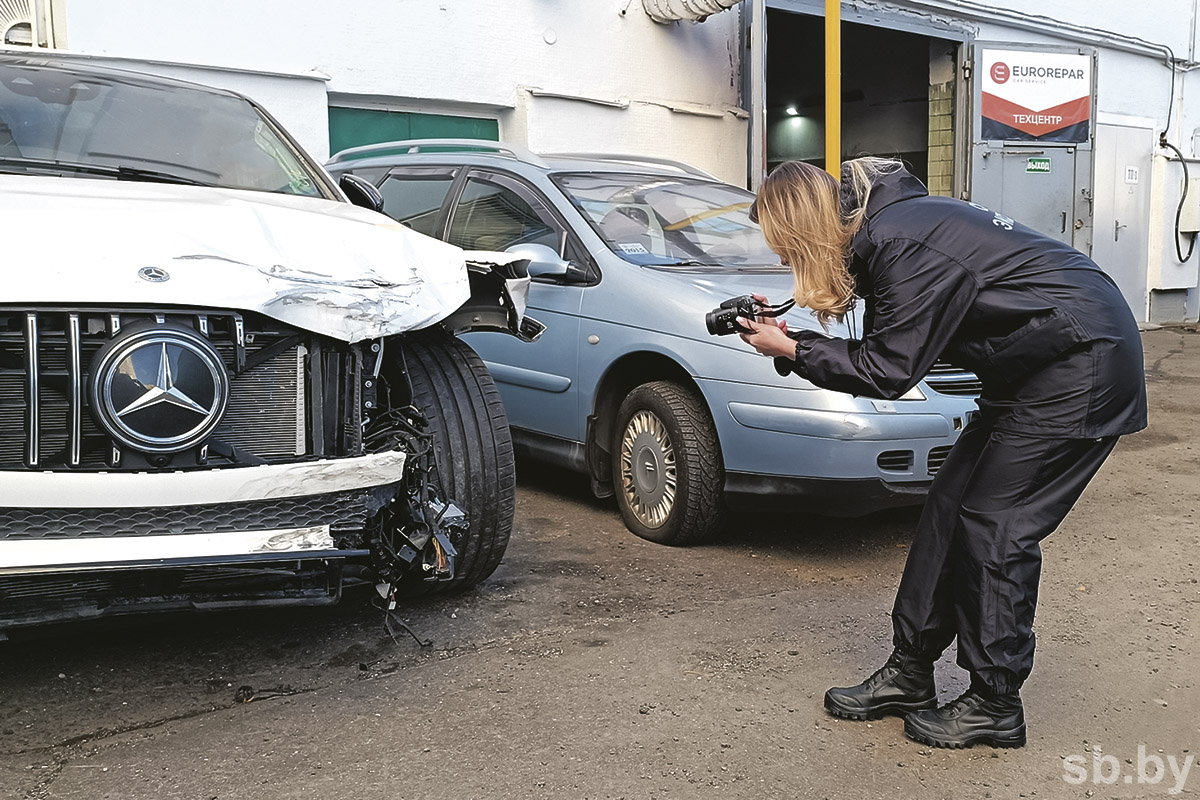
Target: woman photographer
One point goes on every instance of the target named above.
(1060, 360)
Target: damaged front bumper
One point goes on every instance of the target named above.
(262, 536)
(53, 522)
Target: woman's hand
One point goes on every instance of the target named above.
(776, 321)
(768, 338)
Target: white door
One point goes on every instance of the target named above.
(1122, 217)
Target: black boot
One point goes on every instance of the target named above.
(977, 716)
(903, 684)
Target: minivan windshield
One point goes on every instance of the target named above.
(671, 222)
(63, 121)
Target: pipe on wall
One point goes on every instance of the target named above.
(696, 10)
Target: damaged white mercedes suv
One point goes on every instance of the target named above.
(221, 382)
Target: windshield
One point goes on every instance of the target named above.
(61, 121)
(659, 220)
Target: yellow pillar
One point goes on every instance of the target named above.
(833, 87)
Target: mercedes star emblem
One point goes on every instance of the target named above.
(154, 274)
(158, 389)
(163, 390)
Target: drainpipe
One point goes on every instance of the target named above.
(666, 11)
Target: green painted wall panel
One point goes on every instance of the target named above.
(351, 127)
(436, 126)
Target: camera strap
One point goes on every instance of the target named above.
(777, 310)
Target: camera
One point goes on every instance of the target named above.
(723, 320)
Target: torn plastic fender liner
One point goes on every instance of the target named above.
(499, 294)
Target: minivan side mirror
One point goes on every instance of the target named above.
(543, 262)
(361, 192)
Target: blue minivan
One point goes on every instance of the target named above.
(626, 385)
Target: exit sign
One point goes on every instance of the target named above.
(1038, 165)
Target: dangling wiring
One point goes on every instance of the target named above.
(430, 521)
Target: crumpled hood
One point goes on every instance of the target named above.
(324, 266)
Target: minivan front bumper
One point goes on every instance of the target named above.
(782, 449)
(833, 497)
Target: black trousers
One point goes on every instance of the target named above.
(975, 562)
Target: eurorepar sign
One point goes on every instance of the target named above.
(1036, 96)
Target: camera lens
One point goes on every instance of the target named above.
(711, 321)
(722, 321)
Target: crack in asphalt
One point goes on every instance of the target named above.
(39, 790)
(103, 734)
(107, 733)
(1155, 369)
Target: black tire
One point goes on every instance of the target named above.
(666, 465)
(473, 447)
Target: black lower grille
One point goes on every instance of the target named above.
(341, 511)
(82, 587)
(937, 457)
(895, 460)
(54, 587)
(27, 600)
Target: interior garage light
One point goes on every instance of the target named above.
(791, 111)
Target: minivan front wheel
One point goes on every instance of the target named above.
(667, 467)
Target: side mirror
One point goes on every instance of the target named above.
(361, 192)
(543, 262)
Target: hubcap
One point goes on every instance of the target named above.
(648, 477)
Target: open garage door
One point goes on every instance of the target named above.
(901, 93)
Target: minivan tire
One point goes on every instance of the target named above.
(666, 465)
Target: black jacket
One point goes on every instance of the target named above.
(1047, 332)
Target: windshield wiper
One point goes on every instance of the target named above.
(686, 263)
(721, 266)
(120, 173)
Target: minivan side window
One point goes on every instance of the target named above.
(494, 213)
(413, 197)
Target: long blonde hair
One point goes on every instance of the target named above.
(799, 209)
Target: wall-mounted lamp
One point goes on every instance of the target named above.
(791, 111)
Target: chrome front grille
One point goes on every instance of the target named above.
(946, 379)
(45, 360)
(42, 377)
